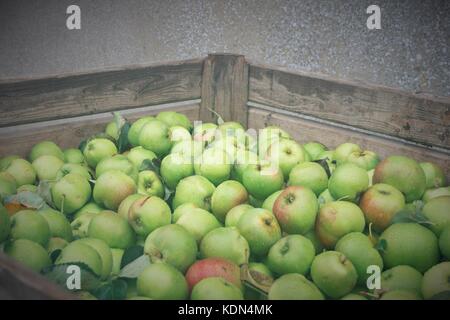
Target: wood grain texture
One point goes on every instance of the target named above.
(90, 93)
(17, 282)
(304, 131)
(224, 88)
(68, 133)
(417, 118)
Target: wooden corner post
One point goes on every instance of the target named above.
(224, 88)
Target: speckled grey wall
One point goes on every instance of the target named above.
(411, 51)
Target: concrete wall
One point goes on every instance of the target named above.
(411, 51)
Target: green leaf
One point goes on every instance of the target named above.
(131, 254)
(119, 120)
(82, 145)
(135, 268)
(256, 280)
(55, 254)
(58, 274)
(410, 215)
(44, 191)
(150, 164)
(114, 290)
(168, 194)
(27, 199)
(122, 141)
(324, 164)
(381, 245)
(444, 295)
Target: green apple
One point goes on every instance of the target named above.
(28, 253)
(98, 149)
(183, 209)
(73, 155)
(5, 162)
(178, 133)
(242, 160)
(104, 252)
(111, 188)
(287, 154)
(334, 274)
(348, 181)
(344, 150)
(270, 201)
(58, 224)
(172, 118)
(204, 132)
(401, 278)
(45, 148)
(149, 184)
(227, 195)
(161, 281)
(5, 223)
(380, 203)
(125, 205)
(70, 193)
(358, 248)
(366, 160)
(269, 135)
(175, 167)
(73, 168)
(336, 219)
(296, 209)
(138, 154)
(434, 193)
(112, 130)
(314, 149)
(403, 173)
(27, 224)
(311, 175)
(172, 244)
(117, 255)
(230, 127)
(400, 295)
(230, 145)
(135, 130)
(233, 216)
(436, 280)
(117, 163)
(444, 242)
(198, 222)
(225, 243)
(437, 211)
(47, 167)
(324, 198)
(311, 235)
(262, 179)
(261, 230)
(294, 286)
(111, 228)
(79, 252)
(214, 164)
(8, 185)
(88, 207)
(154, 136)
(148, 214)
(80, 225)
(194, 189)
(27, 187)
(216, 288)
(22, 171)
(190, 149)
(291, 254)
(434, 175)
(410, 244)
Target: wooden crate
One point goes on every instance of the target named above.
(69, 108)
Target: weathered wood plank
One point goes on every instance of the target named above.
(90, 93)
(19, 282)
(224, 88)
(71, 131)
(304, 130)
(417, 118)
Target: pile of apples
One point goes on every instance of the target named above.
(162, 209)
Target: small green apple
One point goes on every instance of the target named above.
(175, 167)
(262, 179)
(344, 150)
(294, 286)
(437, 211)
(366, 160)
(135, 129)
(287, 154)
(58, 224)
(214, 164)
(73, 155)
(5, 223)
(8, 185)
(434, 193)
(45, 148)
(227, 195)
(73, 168)
(270, 201)
(172, 244)
(79, 252)
(178, 133)
(269, 135)
(242, 160)
(216, 288)
(47, 167)
(198, 222)
(111, 188)
(27, 224)
(138, 154)
(444, 242)
(194, 189)
(233, 216)
(225, 243)
(324, 198)
(291, 254)
(111, 228)
(104, 252)
(261, 230)
(28, 253)
(125, 205)
(436, 280)
(204, 132)
(348, 181)
(150, 184)
(314, 149)
(190, 149)
(334, 274)
(5, 162)
(183, 209)
(117, 163)
(154, 136)
(401, 278)
(98, 149)
(336, 219)
(71, 193)
(147, 214)
(88, 207)
(410, 244)
(172, 118)
(80, 225)
(434, 175)
(311, 175)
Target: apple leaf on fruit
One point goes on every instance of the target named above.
(27, 199)
(119, 120)
(150, 164)
(44, 191)
(55, 254)
(60, 274)
(256, 280)
(131, 254)
(122, 141)
(411, 214)
(135, 268)
(381, 245)
(324, 164)
(114, 290)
